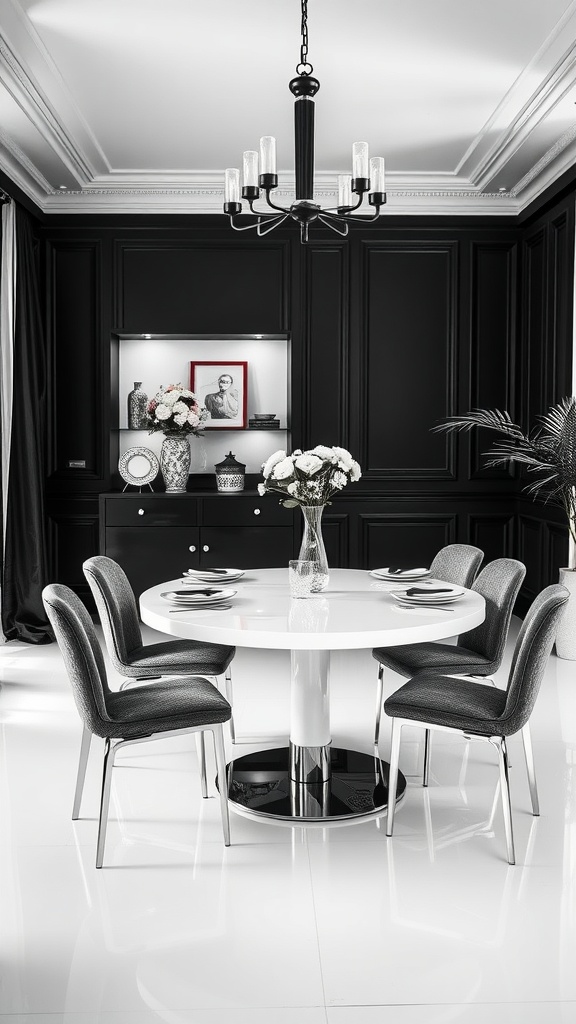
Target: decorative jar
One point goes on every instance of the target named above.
(230, 474)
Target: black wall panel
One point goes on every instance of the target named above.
(408, 358)
(178, 287)
(493, 338)
(406, 538)
(75, 339)
(493, 532)
(326, 379)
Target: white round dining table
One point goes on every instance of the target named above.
(310, 780)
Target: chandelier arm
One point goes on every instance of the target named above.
(243, 227)
(273, 206)
(272, 224)
(364, 220)
(263, 214)
(331, 223)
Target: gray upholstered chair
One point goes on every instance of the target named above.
(457, 563)
(477, 653)
(434, 700)
(118, 613)
(135, 715)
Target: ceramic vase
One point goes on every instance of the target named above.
(566, 631)
(175, 462)
(312, 547)
(137, 406)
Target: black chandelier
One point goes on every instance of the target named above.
(260, 174)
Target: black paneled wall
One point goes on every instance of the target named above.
(391, 329)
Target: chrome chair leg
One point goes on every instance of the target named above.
(201, 748)
(218, 734)
(393, 773)
(109, 750)
(426, 771)
(529, 755)
(229, 698)
(379, 701)
(84, 751)
(500, 743)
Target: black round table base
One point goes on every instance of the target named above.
(259, 785)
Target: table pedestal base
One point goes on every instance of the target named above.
(259, 785)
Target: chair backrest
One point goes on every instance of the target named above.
(457, 563)
(116, 606)
(499, 583)
(76, 637)
(531, 653)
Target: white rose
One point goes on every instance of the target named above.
(293, 489)
(181, 418)
(268, 466)
(180, 407)
(345, 460)
(162, 412)
(187, 394)
(192, 418)
(261, 488)
(355, 472)
(323, 453)
(171, 397)
(284, 469)
(308, 464)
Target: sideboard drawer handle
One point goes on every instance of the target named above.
(192, 548)
(205, 547)
(140, 511)
(256, 511)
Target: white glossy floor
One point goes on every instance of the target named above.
(287, 926)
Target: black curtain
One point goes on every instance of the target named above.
(25, 570)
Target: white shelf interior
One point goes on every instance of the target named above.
(163, 361)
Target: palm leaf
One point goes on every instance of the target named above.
(549, 451)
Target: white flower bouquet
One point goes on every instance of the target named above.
(175, 411)
(309, 478)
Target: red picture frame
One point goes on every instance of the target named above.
(221, 387)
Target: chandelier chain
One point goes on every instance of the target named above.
(304, 67)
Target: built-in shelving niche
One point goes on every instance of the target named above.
(159, 359)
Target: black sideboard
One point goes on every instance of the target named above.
(155, 537)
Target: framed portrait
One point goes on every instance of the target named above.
(222, 388)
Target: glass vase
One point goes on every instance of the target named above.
(175, 462)
(312, 547)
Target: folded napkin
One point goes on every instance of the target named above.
(394, 570)
(426, 591)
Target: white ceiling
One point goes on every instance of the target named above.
(139, 105)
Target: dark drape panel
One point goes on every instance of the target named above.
(25, 557)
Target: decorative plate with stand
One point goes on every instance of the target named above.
(138, 466)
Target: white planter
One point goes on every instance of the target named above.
(566, 632)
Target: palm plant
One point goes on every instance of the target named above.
(548, 452)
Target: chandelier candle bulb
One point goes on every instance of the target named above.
(268, 176)
(344, 191)
(360, 169)
(232, 202)
(250, 169)
(377, 174)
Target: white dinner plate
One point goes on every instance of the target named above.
(200, 596)
(430, 597)
(407, 576)
(209, 576)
